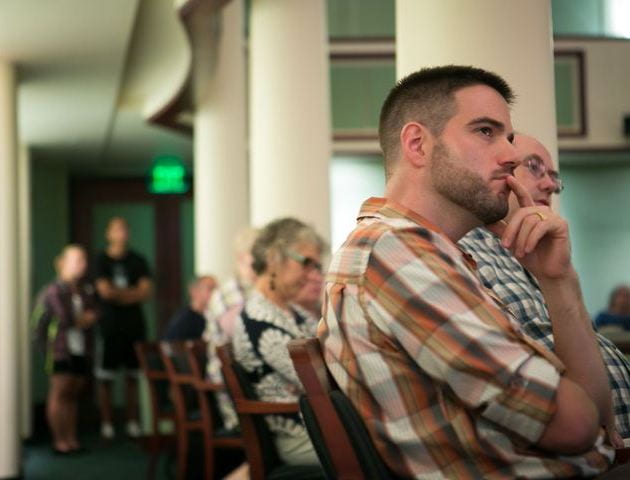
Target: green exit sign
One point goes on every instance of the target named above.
(168, 175)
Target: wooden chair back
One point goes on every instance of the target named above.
(151, 365)
(318, 384)
(258, 440)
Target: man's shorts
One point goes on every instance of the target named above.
(74, 365)
(117, 352)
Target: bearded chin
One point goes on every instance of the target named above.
(465, 187)
(490, 212)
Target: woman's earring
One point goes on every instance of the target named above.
(272, 281)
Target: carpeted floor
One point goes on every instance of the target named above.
(121, 459)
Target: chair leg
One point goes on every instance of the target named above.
(208, 458)
(153, 463)
(158, 447)
(182, 453)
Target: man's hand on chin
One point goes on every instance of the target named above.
(537, 236)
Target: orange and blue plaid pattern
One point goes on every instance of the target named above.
(446, 384)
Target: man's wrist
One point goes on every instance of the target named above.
(568, 277)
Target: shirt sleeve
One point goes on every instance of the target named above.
(143, 268)
(217, 306)
(100, 268)
(420, 291)
(40, 320)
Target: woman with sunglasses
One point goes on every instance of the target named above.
(285, 254)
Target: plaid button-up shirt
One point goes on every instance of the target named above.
(446, 383)
(519, 291)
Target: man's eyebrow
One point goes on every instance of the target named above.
(534, 155)
(538, 157)
(495, 123)
(487, 120)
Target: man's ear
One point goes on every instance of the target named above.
(416, 142)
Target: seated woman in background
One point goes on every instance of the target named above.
(617, 316)
(65, 313)
(311, 294)
(285, 254)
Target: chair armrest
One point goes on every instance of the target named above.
(257, 407)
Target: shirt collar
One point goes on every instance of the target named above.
(379, 207)
(386, 208)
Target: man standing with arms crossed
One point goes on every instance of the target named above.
(123, 282)
(445, 380)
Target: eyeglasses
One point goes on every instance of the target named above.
(538, 169)
(307, 262)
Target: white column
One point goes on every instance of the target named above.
(510, 37)
(220, 145)
(290, 128)
(9, 412)
(24, 282)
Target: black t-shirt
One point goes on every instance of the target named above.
(185, 325)
(122, 272)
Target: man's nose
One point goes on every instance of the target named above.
(507, 156)
(547, 184)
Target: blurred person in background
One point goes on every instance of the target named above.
(189, 323)
(311, 295)
(123, 282)
(285, 254)
(64, 314)
(228, 299)
(224, 308)
(617, 315)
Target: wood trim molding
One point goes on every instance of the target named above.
(580, 57)
(595, 149)
(588, 38)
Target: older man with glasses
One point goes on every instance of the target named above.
(518, 289)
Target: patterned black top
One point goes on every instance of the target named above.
(260, 337)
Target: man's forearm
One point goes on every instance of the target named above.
(131, 295)
(575, 341)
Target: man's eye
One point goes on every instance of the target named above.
(487, 131)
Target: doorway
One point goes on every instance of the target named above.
(161, 229)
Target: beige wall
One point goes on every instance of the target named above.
(607, 71)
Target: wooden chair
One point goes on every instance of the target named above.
(336, 429)
(262, 456)
(197, 352)
(193, 412)
(151, 364)
(334, 424)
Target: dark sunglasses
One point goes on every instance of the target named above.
(307, 262)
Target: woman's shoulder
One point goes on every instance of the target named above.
(54, 289)
(260, 313)
(259, 308)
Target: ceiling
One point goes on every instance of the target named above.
(90, 74)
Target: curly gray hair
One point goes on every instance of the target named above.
(279, 236)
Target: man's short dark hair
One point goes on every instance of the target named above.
(427, 97)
